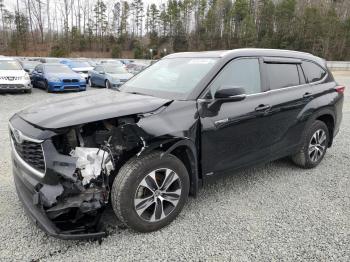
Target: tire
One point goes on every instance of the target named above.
(90, 82)
(108, 84)
(47, 87)
(28, 91)
(127, 187)
(308, 160)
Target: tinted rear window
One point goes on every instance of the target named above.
(282, 75)
(313, 72)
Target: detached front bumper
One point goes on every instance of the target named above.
(29, 198)
(58, 205)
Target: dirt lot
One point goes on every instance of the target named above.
(271, 212)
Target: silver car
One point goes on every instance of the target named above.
(108, 76)
(13, 76)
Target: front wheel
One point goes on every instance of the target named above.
(90, 82)
(149, 192)
(47, 87)
(108, 84)
(315, 144)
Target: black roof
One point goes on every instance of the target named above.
(250, 52)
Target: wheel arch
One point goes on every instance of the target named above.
(327, 116)
(185, 150)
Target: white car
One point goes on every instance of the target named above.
(80, 67)
(13, 76)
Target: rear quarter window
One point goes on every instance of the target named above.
(282, 75)
(313, 72)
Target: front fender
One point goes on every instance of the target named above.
(171, 145)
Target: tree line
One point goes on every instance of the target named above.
(132, 28)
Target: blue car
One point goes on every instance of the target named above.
(57, 77)
(108, 75)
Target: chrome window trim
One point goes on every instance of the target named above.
(290, 87)
(279, 89)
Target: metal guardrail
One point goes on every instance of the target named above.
(338, 65)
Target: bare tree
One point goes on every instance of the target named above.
(36, 11)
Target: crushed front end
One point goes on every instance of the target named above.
(63, 177)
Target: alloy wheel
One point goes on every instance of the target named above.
(157, 195)
(317, 145)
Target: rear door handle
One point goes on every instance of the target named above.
(262, 108)
(307, 95)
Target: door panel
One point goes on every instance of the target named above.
(262, 127)
(290, 109)
(40, 80)
(292, 99)
(235, 135)
(233, 132)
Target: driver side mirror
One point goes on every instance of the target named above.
(27, 70)
(101, 72)
(230, 94)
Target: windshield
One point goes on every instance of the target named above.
(57, 69)
(9, 65)
(76, 64)
(170, 78)
(114, 69)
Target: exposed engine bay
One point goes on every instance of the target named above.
(99, 150)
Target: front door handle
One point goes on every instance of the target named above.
(262, 108)
(307, 95)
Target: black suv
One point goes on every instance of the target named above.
(145, 148)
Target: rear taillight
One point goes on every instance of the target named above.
(340, 89)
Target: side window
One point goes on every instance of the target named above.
(282, 75)
(98, 68)
(244, 73)
(313, 72)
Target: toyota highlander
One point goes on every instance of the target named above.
(187, 118)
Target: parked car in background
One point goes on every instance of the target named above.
(49, 60)
(108, 75)
(91, 62)
(135, 68)
(57, 77)
(80, 67)
(29, 66)
(13, 76)
(111, 61)
(126, 61)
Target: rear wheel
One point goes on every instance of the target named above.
(149, 192)
(315, 144)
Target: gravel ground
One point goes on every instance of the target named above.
(272, 212)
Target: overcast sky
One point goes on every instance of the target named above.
(11, 4)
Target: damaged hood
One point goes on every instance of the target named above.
(89, 107)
